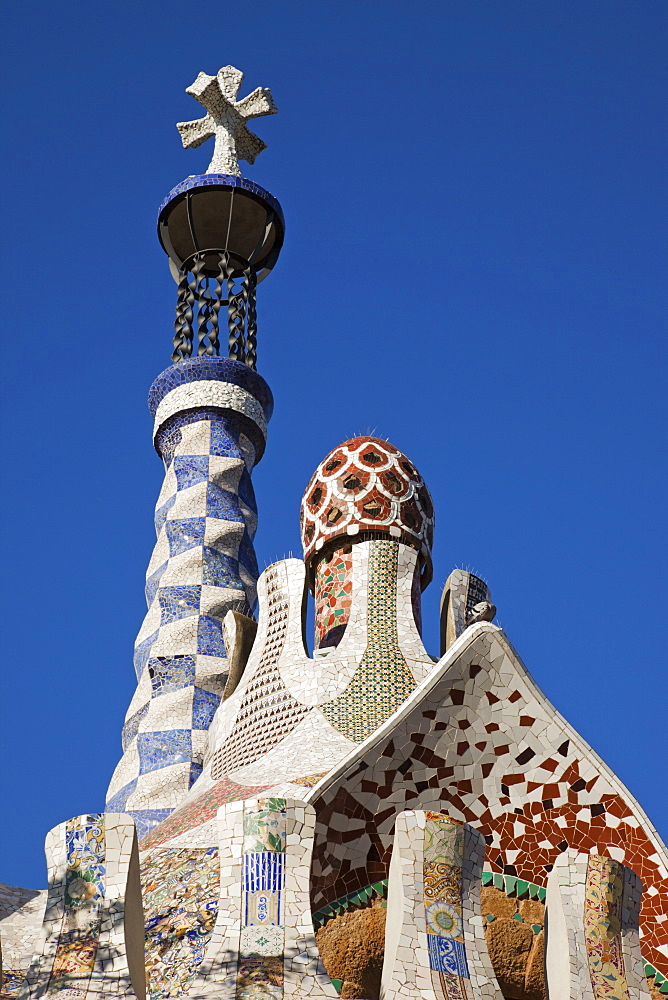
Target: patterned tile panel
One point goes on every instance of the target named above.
(263, 869)
(80, 950)
(443, 859)
(383, 680)
(180, 890)
(602, 928)
(333, 596)
(84, 893)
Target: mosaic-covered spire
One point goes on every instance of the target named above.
(210, 426)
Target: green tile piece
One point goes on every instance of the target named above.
(649, 969)
(522, 888)
(498, 881)
(536, 928)
(487, 878)
(518, 916)
(511, 884)
(379, 887)
(541, 894)
(664, 988)
(489, 917)
(337, 984)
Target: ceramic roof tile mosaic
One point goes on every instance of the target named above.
(361, 819)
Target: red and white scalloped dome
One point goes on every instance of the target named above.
(367, 485)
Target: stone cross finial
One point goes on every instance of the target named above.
(226, 119)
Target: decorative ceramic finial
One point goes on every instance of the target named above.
(226, 119)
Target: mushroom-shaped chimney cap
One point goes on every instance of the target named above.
(364, 488)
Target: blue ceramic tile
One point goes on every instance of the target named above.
(246, 491)
(132, 726)
(446, 955)
(190, 470)
(142, 653)
(224, 440)
(222, 504)
(117, 802)
(178, 602)
(263, 870)
(205, 704)
(203, 369)
(209, 637)
(153, 582)
(171, 673)
(162, 512)
(184, 534)
(220, 570)
(247, 555)
(162, 749)
(146, 819)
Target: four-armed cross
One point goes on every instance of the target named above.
(226, 119)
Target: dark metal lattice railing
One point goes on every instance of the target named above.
(209, 280)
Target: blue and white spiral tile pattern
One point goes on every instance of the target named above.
(203, 565)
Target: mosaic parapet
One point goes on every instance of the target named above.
(21, 917)
(435, 945)
(593, 944)
(91, 941)
(210, 426)
(263, 941)
(478, 740)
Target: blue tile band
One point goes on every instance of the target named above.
(214, 370)
(446, 955)
(217, 180)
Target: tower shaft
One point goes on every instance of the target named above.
(210, 426)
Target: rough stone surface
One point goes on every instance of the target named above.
(534, 979)
(351, 947)
(654, 990)
(516, 951)
(509, 944)
(496, 903)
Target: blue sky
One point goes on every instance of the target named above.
(474, 268)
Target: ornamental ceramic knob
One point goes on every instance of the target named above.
(367, 488)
